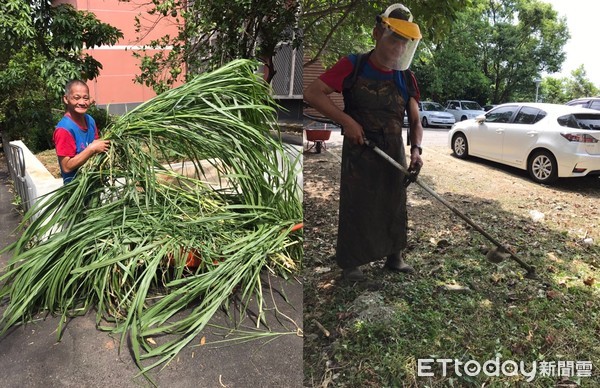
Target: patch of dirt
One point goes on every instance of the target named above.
(49, 160)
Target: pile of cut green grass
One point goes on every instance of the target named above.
(119, 237)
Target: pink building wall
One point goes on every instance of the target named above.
(115, 86)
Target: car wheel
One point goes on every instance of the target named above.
(424, 122)
(460, 147)
(542, 167)
(463, 118)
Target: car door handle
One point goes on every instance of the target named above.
(532, 133)
(500, 130)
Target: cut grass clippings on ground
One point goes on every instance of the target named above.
(140, 243)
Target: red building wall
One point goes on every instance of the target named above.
(115, 86)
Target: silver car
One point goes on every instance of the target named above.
(550, 141)
(586, 102)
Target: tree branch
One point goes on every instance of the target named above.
(329, 35)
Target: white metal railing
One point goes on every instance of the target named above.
(16, 167)
(30, 177)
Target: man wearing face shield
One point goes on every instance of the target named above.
(377, 89)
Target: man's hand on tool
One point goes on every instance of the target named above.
(415, 160)
(354, 132)
(413, 173)
(414, 167)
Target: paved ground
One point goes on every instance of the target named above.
(30, 355)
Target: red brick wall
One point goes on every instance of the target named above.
(115, 84)
(310, 74)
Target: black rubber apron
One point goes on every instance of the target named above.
(372, 216)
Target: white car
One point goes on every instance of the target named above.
(432, 114)
(463, 109)
(550, 141)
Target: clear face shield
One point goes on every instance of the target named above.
(398, 43)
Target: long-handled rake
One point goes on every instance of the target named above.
(494, 255)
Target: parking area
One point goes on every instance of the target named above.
(432, 137)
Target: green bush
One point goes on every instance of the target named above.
(101, 116)
(31, 120)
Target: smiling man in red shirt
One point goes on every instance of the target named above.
(76, 136)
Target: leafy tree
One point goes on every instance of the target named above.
(333, 28)
(564, 89)
(40, 51)
(213, 32)
(579, 85)
(494, 52)
(553, 90)
(447, 70)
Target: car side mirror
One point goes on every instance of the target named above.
(480, 119)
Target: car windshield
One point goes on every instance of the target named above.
(580, 121)
(471, 105)
(433, 106)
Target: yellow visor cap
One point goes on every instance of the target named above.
(403, 28)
